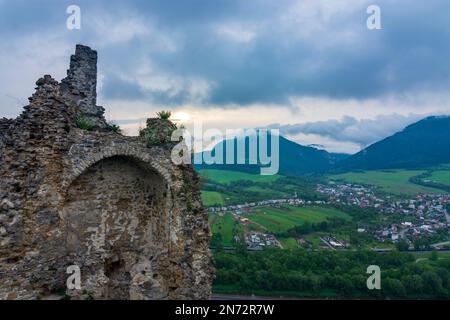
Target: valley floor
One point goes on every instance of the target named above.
(340, 213)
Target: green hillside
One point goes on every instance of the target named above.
(294, 160)
(212, 198)
(422, 144)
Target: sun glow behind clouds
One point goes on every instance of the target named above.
(181, 116)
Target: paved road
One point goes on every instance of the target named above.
(440, 244)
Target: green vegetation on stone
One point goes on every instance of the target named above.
(84, 123)
(165, 115)
(114, 128)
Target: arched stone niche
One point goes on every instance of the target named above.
(116, 219)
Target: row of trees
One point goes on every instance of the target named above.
(308, 227)
(424, 180)
(331, 274)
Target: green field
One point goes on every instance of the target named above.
(392, 181)
(265, 192)
(226, 176)
(440, 176)
(289, 243)
(282, 219)
(314, 238)
(225, 226)
(211, 198)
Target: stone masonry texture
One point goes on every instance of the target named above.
(115, 206)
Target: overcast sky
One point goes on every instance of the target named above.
(310, 68)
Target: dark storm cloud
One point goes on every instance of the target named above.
(253, 51)
(116, 88)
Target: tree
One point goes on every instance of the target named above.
(216, 241)
(444, 274)
(421, 243)
(402, 245)
(432, 283)
(394, 288)
(241, 246)
(434, 255)
(413, 284)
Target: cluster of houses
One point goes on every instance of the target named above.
(350, 194)
(333, 243)
(424, 206)
(409, 230)
(258, 241)
(424, 214)
(245, 207)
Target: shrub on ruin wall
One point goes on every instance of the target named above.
(114, 128)
(84, 123)
(158, 131)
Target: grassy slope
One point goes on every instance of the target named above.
(211, 198)
(392, 181)
(278, 220)
(225, 226)
(289, 243)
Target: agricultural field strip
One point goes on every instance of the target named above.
(277, 220)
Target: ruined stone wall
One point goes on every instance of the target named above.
(114, 205)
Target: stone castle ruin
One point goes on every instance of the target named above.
(75, 192)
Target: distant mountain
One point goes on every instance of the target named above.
(295, 159)
(424, 143)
